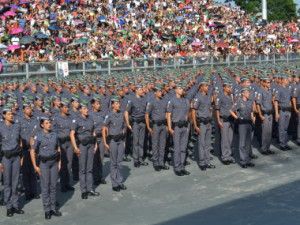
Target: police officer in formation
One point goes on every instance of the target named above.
(133, 114)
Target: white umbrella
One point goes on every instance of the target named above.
(236, 34)
(3, 47)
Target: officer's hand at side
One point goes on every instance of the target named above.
(220, 125)
(197, 130)
(262, 118)
(59, 165)
(130, 128)
(150, 131)
(1, 168)
(277, 117)
(107, 147)
(77, 151)
(172, 132)
(37, 169)
(297, 112)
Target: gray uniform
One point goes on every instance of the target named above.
(136, 107)
(202, 103)
(244, 109)
(116, 123)
(283, 96)
(224, 104)
(156, 109)
(62, 126)
(10, 146)
(264, 99)
(47, 145)
(29, 178)
(84, 128)
(179, 109)
(296, 94)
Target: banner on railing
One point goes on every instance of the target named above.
(63, 69)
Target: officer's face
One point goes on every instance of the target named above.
(267, 83)
(121, 93)
(125, 89)
(27, 111)
(84, 111)
(111, 89)
(75, 104)
(204, 87)
(103, 90)
(96, 106)
(116, 106)
(158, 93)
(57, 102)
(9, 116)
(246, 94)
(65, 109)
(179, 91)
(46, 125)
(139, 91)
(39, 102)
(45, 88)
(86, 90)
(285, 81)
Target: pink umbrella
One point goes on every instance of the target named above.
(110, 32)
(212, 25)
(294, 41)
(13, 47)
(16, 30)
(77, 22)
(2, 2)
(194, 43)
(10, 13)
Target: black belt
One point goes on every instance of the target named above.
(12, 153)
(180, 124)
(118, 137)
(45, 159)
(99, 135)
(139, 120)
(159, 122)
(285, 109)
(204, 120)
(226, 118)
(65, 139)
(267, 112)
(87, 141)
(245, 121)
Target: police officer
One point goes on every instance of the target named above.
(265, 112)
(47, 144)
(62, 124)
(283, 112)
(156, 110)
(245, 117)
(202, 114)
(178, 109)
(98, 118)
(83, 127)
(28, 123)
(136, 106)
(224, 102)
(296, 107)
(11, 147)
(114, 127)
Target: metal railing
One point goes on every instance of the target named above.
(113, 66)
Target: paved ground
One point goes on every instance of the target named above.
(266, 194)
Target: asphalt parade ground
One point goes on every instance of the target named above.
(269, 193)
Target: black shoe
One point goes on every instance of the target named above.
(157, 168)
(117, 189)
(179, 173)
(76, 178)
(122, 187)
(2, 203)
(298, 143)
(265, 153)
(144, 164)
(164, 167)
(64, 189)
(250, 164)
(47, 215)
(288, 147)
(93, 193)
(232, 161)
(168, 159)
(106, 155)
(244, 166)
(210, 166)
(252, 156)
(35, 196)
(126, 159)
(9, 213)
(18, 211)
(184, 172)
(55, 213)
(70, 188)
(103, 181)
(282, 148)
(270, 152)
(28, 198)
(84, 195)
(203, 168)
(57, 203)
(226, 162)
(186, 163)
(137, 164)
(211, 158)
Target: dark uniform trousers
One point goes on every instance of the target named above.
(49, 178)
(283, 123)
(180, 144)
(11, 180)
(86, 159)
(67, 152)
(266, 132)
(98, 161)
(158, 144)
(116, 157)
(204, 143)
(245, 132)
(138, 141)
(226, 139)
(29, 178)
